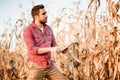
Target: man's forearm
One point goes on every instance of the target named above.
(44, 50)
(48, 49)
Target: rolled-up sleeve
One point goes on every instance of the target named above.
(28, 39)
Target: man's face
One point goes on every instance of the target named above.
(42, 17)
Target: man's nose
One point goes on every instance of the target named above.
(46, 15)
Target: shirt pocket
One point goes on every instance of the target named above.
(49, 38)
(39, 40)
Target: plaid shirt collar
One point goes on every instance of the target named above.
(35, 26)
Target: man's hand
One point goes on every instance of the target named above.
(55, 50)
(59, 50)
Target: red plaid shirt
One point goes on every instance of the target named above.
(34, 39)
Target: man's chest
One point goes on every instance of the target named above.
(42, 38)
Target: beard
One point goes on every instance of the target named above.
(44, 21)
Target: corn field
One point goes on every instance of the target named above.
(93, 55)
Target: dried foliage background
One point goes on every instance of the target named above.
(94, 54)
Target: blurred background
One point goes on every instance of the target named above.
(91, 26)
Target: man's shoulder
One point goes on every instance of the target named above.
(28, 28)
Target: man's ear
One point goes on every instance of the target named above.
(36, 16)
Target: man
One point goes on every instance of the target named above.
(40, 43)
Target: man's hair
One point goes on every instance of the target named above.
(35, 10)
